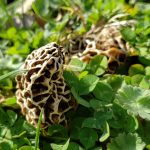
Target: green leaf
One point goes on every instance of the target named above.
(143, 131)
(37, 39)
(8, 134)
(65, 146)
(126, 142)
(60, 147)
(3, 131)
(145, 59)
(97, 65)
(98, 121)
(45, 145)
(97, 104)
(6, 84)
(127, 80)
(12, 117)
(104, 115)
(41, 8)
(145, 82)
(71, 79)
(148, 147)
(128, 34)
(136, 69)
(10, 101)
(11, 127)
(79, 99)
(59, 129)
(6, 144)
(56, 146)
(106, 132)
(147, 70)
(74, 146)
(29, 128)
(135, 100)
(92, 123)
(76, 126)
(82, 74)
(21, 130)
(88, 137)
(122, 120)
(87, 84)
(76, 65)
(18, 142)
(18, 48)
(136, 79)
(4, 121)
(115, 81)
(11, 32)
(104, 92)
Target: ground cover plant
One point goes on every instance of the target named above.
(104, 65)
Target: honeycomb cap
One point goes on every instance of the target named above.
(43, 87)
(106, 40)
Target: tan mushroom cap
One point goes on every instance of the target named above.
(104, 40)
(43, 86)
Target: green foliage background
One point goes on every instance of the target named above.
(114, 109)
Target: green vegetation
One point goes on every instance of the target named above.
(113, 110)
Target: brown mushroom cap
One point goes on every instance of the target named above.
(43, 86)
(108, 41)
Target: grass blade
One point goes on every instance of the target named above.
(38, 131)
(11, 73)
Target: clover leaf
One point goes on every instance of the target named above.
(88, 137)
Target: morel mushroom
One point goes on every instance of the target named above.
(43, 86)
(106, 40)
